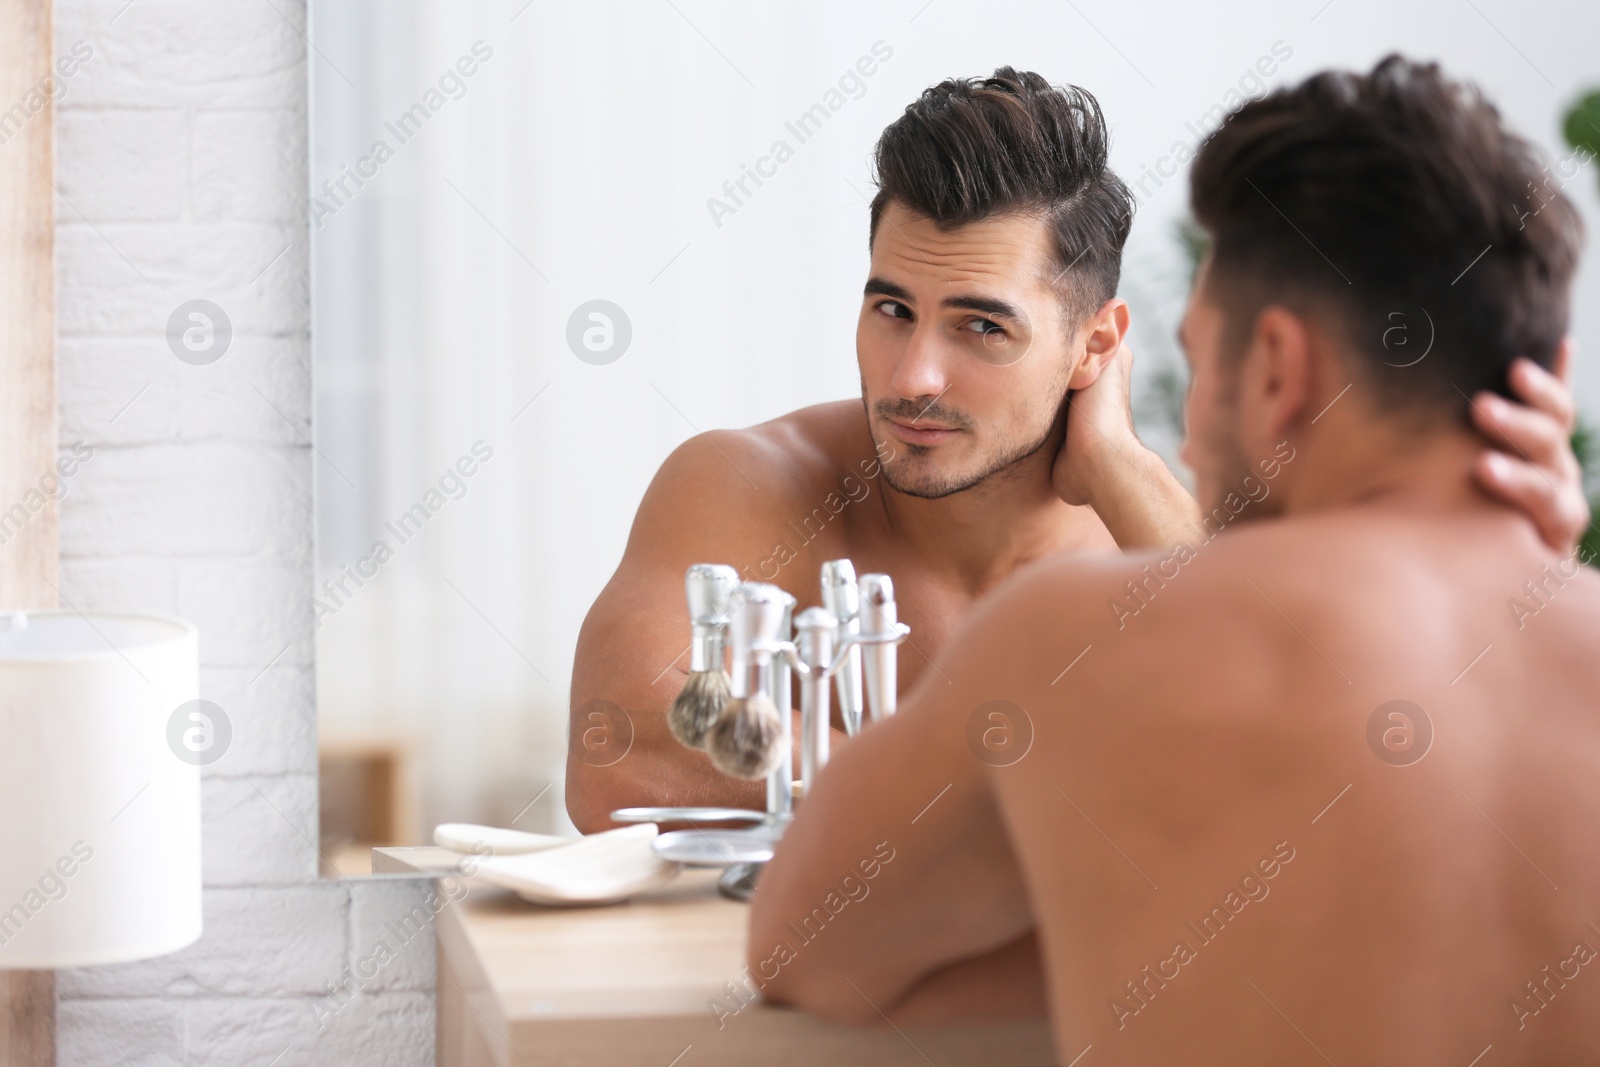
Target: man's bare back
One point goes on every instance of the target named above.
(1228, 861)
(1356, 645)
(775, 501)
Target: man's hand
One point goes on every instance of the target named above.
(1099, 428)
(1535, 469)
(1102, 463)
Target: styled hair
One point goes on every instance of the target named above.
(975, 148)
(1398, 210)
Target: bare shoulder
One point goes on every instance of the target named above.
(1291, 609)
(1098, 650)
(767, 468)
(809, 450)
(729, 496)
(1131, 607)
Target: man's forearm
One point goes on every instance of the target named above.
(1142, 502)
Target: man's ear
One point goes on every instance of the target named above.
(1102, 339)
(1277, 379)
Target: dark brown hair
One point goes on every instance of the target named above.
(1397, 206)
(973, 148)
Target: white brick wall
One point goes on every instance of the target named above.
(182, 172)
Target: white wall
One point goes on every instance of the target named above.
(181, 169)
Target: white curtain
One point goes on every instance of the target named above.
(576, 165)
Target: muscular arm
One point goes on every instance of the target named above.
(713, 501)
(1007, 983)
(895, 893)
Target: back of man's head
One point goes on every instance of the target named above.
(976, 148)
(1397, 210)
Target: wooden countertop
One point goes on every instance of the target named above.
(654, 982)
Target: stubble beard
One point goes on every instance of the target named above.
(934, 485)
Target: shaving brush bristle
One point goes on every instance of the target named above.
(745, 741)
(698, 706)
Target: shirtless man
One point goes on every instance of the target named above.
(1325, 790)
(982, 313)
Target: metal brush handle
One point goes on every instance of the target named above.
(780, 787)
(708, 588)
(705, 647)
(843, 600)
(880, 659)
(816, 630)
(758, 613)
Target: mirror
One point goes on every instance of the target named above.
(551, 243)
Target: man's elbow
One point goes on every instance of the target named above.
(789, 978)
(830, 997)
(590, 799)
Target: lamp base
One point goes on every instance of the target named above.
(27, 1019)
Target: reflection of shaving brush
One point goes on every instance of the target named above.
(700, 702)
(747, 740)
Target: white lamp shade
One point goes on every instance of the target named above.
(99, 815)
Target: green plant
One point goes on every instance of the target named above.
(1582, 123)
(1586, 446)
(1581, 127)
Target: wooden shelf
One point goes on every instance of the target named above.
(368, 797)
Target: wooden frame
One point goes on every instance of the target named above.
(29, 556)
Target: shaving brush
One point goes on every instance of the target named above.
(699, 703)
(747, 740)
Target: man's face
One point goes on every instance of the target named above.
(1211, 445)
(964, 348)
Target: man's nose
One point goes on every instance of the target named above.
(923, 369)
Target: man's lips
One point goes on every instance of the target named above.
(920, 433)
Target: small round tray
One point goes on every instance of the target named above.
(715, 848)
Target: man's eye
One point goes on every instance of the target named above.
(894, 309)
(984, 327)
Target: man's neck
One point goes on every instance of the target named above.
(1377, 465)
(978, 536)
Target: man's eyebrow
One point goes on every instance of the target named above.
(884, 287)
(986, 304)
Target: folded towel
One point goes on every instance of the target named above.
(603, 868)
(470, 839)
